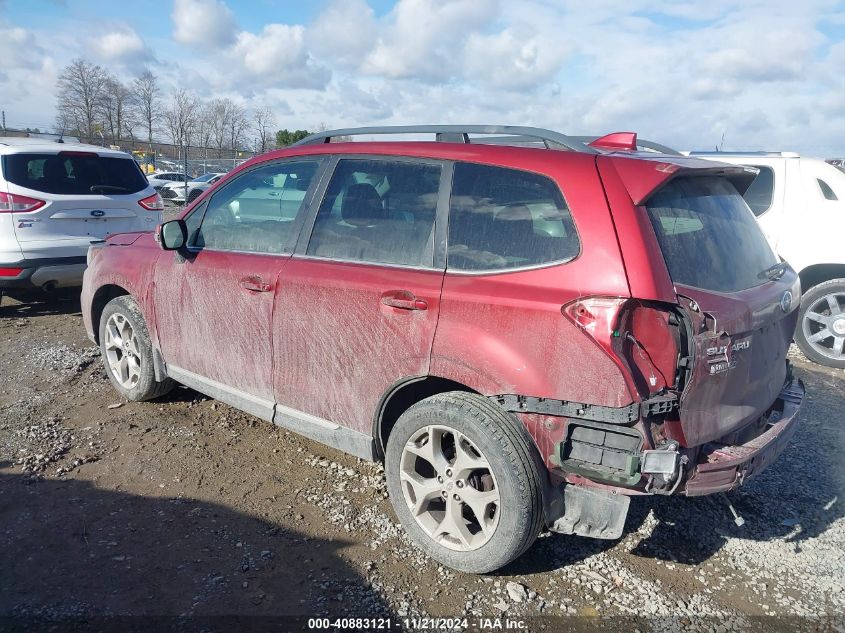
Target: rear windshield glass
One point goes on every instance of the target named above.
(708, 236)
(74, 174)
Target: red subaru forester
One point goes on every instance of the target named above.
(526, 327)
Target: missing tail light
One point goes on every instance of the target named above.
(636, 335)
(598, 317)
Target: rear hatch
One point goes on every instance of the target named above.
(739, 300)
(85, 196)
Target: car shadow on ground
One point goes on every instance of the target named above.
(71, 550)
(63, 301)
(796, 498)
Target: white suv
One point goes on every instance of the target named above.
(58, 198)
(800, 204)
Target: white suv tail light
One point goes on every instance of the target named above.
(152, 203)
(15, 203)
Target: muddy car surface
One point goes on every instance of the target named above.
(525, 336)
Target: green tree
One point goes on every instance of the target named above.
(286, 137)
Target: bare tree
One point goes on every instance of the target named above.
(64, 123)
(204, 132)
(80, 90)
(263, 121)
(218, 113)
(148, 100)
(181, 117)
(238, 124)
(116, 108)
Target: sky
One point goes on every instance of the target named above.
(739, 74)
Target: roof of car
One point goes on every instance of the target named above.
(20, 144)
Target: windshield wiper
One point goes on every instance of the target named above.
(775, 271)
(96, 188)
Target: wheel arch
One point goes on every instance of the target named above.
(402, 395)
(819, 273)
(102, 296)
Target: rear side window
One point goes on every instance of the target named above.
(74, 174)
(503, 218)
(379, 211)
(758, 196)
(708, 238)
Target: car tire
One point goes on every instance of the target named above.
(128, 353)
(193, 196)
(500, 473)
(819, 332)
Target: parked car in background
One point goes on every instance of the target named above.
(162, 178)
(176, 191)
(800, 203)
(58, 198)
(526, 337)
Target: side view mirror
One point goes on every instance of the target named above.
(172, 235)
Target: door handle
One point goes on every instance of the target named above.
(404, 300)
(256, 284)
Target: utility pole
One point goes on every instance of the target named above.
(4, 122)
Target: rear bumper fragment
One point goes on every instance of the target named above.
(58, 272)
(721, 467)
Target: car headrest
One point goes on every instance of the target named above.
(361, 205)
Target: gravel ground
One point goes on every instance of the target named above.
(186, 507)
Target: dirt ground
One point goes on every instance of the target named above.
(187, 509)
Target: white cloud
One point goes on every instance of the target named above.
(121, 45)
(515, 58)
(19, 48)
(423, 39)
(203, 23)
(344, 33)
(277, 57)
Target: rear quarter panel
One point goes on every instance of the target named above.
(505, 332)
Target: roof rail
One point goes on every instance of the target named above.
(460, 134)
(756, 153)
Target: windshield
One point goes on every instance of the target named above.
(204, 178)
(708, 235)
(74, 174)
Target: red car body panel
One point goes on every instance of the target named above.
(338, 312)
(211, 322)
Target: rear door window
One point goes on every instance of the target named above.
(74, 173)
(503, 218)
(708, 237)
(379, 211)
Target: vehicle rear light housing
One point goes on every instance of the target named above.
(153, 202)
(636, 335)
(16, 203)
(10, 272)
(599, 318)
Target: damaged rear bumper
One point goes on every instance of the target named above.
(721, 467)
